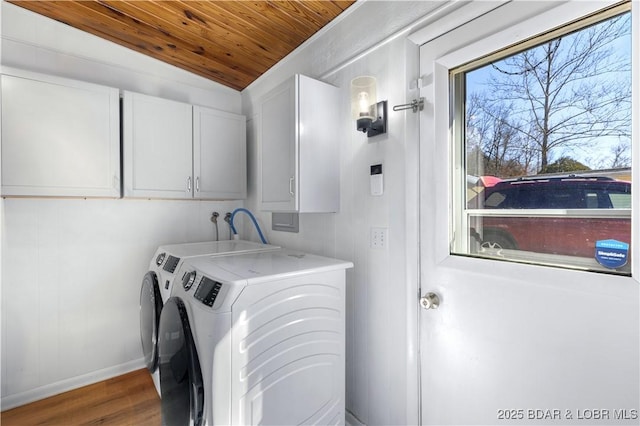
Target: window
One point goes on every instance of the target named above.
(543, 130)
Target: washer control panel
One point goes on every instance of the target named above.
(207, 291)
(172, 263)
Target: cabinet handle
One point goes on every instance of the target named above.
(189, 183)
(198, 184)
(291, 186)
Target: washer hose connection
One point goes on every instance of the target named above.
(255, 223)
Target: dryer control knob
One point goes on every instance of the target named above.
(160, 258)
(188, 280)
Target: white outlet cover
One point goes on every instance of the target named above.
(379, 238)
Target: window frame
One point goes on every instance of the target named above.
(460, 215)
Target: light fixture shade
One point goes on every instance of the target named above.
(363, 96)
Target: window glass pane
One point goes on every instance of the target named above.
(546, 139)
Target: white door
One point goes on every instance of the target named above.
(514, 343)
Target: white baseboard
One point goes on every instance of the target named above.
(352, 420)
(11, 401)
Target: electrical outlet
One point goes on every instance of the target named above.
(378, 238)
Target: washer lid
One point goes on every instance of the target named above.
(270, 265)
(215, 248)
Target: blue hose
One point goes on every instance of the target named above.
(233, 228)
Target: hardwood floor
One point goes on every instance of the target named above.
(127, 400)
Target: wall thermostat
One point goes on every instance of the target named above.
(377, 182)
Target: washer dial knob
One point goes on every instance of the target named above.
(160, 258)
(188, 280)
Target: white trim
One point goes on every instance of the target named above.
(468, 12)
(446, 9)
(512, 34)
(565, 213)
(412, 240)
(15, 400)
(553, 18)
(352, 420)
(635, 141)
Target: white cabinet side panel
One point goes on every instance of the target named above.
(319, 161)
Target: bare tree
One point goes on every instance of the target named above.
(568, 91)
(621, 157)
(494, 147)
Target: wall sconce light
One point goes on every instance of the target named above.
(370, 116)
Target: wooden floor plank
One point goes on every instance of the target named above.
(127, 400)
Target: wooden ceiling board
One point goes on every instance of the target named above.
(172, 49)
(174, 20)
(248, 20)
(227, 27)
(196, 39)
(230, 42)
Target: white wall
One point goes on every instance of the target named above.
(72, 268)
(382, 375)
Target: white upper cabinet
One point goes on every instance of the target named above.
(298, 146)
(219, 154)
(174, 150)
(60, 137)
(157, 147)
(277, 147)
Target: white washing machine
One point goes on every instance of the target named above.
(255, 339)
(157, 282)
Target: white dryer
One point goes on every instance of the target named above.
(255, 339)
(157, 282)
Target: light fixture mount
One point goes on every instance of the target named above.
(377, 126)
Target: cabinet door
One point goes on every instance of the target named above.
(157, 147)
(219, 154)
(278, 151)
(59, 137)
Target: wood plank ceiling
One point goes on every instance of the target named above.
(230, 42)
